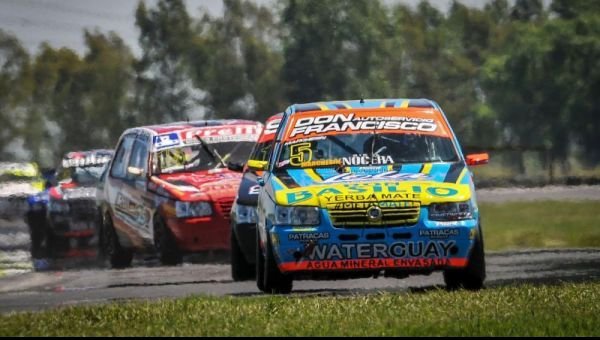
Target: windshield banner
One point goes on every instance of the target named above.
(210, 135)
(83, 159)
(310, 124)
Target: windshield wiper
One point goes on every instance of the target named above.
(373, 147)
(95, 179)
(212, 152)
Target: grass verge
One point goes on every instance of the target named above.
(562, 310)
(551, 224)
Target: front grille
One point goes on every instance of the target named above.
(393, 213)
(82, 208)
(225, 206)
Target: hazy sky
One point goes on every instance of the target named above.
(61, 22)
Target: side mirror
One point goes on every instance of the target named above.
(237, 167)
(478, 159)
(257, 165)
(136, 172)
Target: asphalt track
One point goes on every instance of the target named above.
(37, 291)
(78, 279)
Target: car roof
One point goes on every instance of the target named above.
(189, 125)
(365, 104)
(84, 153)
(7, 167)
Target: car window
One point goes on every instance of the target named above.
(119, 167)
(261, 151)
(139, 156)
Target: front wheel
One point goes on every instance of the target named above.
(273, 281)
(37, 232)
(472, 276)
(118, 256)
(164, 241)
(260, 265)
(241, 270)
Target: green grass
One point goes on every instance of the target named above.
(502, 166)
(540, 224)
(567, 309)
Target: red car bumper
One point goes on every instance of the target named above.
(202, 233)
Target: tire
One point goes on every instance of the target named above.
(118, 256)
(241, 270)
(260, 265)
(165, 244)
(55, 244)
(472, 276)
(37, 231)
(274, 282)
(101, 253)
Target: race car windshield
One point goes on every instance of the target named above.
(367, 149)
(201, 156)
(84, 176)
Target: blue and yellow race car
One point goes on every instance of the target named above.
(366, 188)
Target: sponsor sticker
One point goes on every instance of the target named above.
(373, 264)
(417, 249)
(89, 160)
(165, 141)
(272, 126)
(308, 236)
(390, 175)
(441, 233)
(345, 122)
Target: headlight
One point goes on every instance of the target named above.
(245, 214)
(450, 211)
(58, 206)
(192, 209)
(296, 216)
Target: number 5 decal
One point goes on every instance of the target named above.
(298, 152)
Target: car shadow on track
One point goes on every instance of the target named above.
(551, 272)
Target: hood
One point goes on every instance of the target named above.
(425, 183)
(20, 188)
(200, 185)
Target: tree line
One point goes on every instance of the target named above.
(509, 75)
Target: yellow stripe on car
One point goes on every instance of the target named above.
(427, 168)
(313, 175)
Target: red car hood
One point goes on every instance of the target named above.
(201, 185)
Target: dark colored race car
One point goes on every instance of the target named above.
(243, 213)
(71, 211)
(169, 189)
(35, 216)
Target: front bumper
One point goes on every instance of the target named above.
(201, 233)
(80, 221)
(423, 247)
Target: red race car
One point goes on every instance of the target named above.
(169, 189)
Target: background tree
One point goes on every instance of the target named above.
(14, 68)
(510, 75)
(164, 90)
(236, 61)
